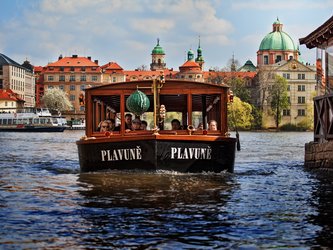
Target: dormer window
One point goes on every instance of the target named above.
(72, 68)
(83, 68)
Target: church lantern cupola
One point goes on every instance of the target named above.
(158, 57)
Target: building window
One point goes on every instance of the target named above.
(265, 59)
(72, 68)
(82, 87)
(286, 75)
(114, 79)
(6, 104)
(278, 59)
(72, 97)
(62, 68)
(301, 76)
(62, 87)
(300, 87)
(81, 108)
(83, 78)
(286, 112)
(301, 112)
(72, 87)
(301, 99)
(288, 87)
(72, 78)
(94, 78)
(50, 78)
(61, 78)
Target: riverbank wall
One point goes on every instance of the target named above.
(319, 156)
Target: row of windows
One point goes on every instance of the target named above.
(7, 104)
(18, 72)
(299, 88)
(300, 112)
(72, 78)
(299, 76)
(71, 87)
(300, 99)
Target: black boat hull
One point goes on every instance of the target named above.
(154, 154)
(33, 129)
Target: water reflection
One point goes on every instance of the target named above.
(149, 209)
(322, 199)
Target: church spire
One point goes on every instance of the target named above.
(200, 60)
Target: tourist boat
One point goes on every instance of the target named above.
(159, 148)
(30, 120)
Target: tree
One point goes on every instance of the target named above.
(239, 114)
(239, 89)
(279, 98)
(57, 100)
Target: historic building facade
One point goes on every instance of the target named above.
(278, 55)
(18, 78)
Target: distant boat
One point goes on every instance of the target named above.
(30, 120)
(182, 150)
(76, 125)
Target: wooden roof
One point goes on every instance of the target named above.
(172, 94)
(319, 37)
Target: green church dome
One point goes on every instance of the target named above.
(277, 39)
(158, 50)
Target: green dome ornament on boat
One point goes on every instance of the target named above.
(137, 103)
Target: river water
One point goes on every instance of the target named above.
(270, 201)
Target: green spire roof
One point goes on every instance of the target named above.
(158, 50)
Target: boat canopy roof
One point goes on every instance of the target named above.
(185, 97)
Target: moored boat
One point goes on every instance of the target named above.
(30, 120)
(189, 149)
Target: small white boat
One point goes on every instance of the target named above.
(30, 120)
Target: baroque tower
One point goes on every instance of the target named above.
(157, 57)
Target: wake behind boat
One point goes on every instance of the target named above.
(30, 120)
(186, 149)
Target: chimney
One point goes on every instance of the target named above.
(60, 57)
(96, 61)
(74, 56)
(89, 57)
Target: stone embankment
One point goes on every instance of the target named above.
(319, 156)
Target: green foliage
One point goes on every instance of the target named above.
(279, 98)
(257, 118)
(56, 99)
(301, 126)
(240, 114)
(239, 89)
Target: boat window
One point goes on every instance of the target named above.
(30, 120)
(14, 121)
(0, 121)
(42, 121)
(25, 121)
(36, 121)
(4, 121)
(10, 121)
(19, 121)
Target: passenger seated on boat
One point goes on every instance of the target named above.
(212, 125)
(144, 125)
(175, 124)
(128, 121)
(200, 126)
(136, 124)
(105, 126)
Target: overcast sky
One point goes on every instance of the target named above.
(125, 31)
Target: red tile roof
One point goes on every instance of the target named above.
(112, 66)
(73, 61)
(8, 94)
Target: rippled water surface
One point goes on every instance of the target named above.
(270, 201)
